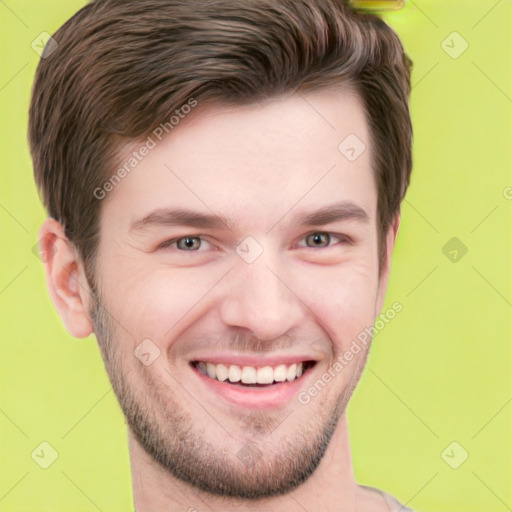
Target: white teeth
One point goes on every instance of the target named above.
(280, 373)
(291, 373)
(251, 374)
(210, 369)
(235, 373)
(265, 375)
(222, 372)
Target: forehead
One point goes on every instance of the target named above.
(254, 162)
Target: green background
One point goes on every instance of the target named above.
(439, 373)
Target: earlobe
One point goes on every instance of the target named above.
(65, 278)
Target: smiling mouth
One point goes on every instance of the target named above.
(252, 376)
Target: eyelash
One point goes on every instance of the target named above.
(173, 241)
(342, 239)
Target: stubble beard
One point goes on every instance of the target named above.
(166, 431)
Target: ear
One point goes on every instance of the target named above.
(65, 278)
(386, 266)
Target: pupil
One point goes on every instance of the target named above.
(189, 242)
(320, 238)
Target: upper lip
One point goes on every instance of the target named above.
(252, 360)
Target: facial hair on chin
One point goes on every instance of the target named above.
(166, 431)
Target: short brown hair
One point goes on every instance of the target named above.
(122, 67)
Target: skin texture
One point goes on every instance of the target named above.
(260, 168)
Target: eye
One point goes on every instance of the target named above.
(188, 243)
(321, 239)
(185, 243)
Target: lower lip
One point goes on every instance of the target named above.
(256, 397)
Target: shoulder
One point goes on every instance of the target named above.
(373, 499)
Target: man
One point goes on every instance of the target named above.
(224, 181)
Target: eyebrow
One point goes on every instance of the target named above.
(341, 211)
(344, 210)
(179, 217)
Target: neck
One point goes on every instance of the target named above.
(330, 488)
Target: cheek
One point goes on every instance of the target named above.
(342, 300)
(159, 304)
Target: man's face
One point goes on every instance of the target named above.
(246, 238)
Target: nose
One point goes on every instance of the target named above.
(261, 298)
